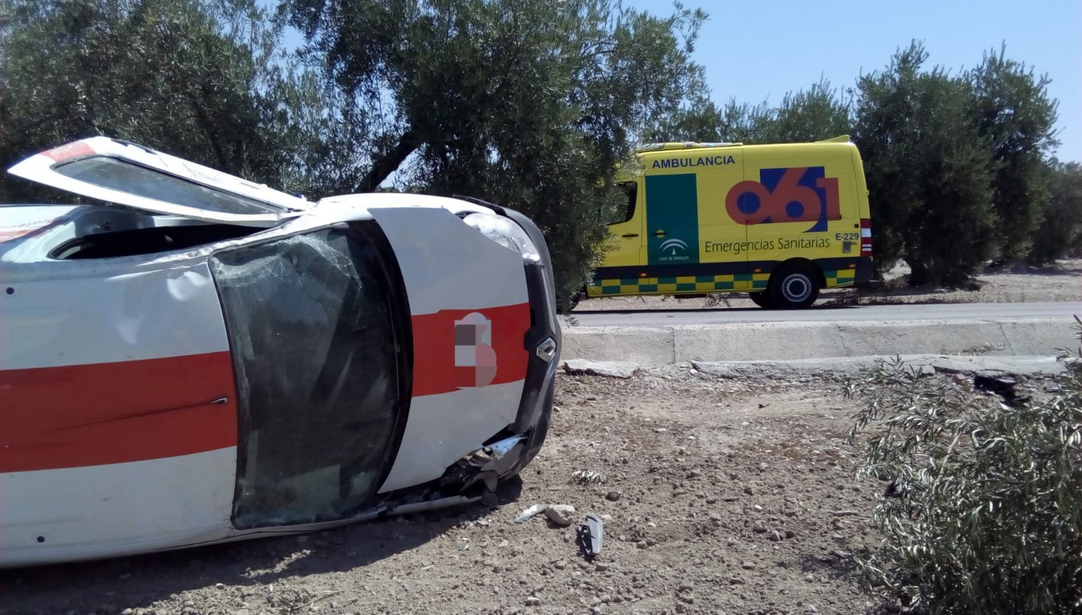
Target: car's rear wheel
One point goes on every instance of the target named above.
(794, 287)
(762, 299)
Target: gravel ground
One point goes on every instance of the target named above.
(721, 495)
(726, 495)
(1020, 284)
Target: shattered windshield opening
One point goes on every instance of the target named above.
(131, 178)
(315, 337)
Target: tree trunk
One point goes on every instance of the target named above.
(389, 163)
(919, 272)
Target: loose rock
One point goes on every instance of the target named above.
(560, 514)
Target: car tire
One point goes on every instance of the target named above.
(794, 287)
(762, 299)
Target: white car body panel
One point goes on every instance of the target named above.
(447, 427)
(16, 222)
(167, 312)
(70, 343)
(432, 245)
(116, 509)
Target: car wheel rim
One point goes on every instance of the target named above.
(796, 288)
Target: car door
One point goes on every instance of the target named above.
(127, 174)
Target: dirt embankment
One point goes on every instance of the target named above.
(722, 495)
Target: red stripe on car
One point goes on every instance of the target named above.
(71, 150)
(443, 364)
(87, 415)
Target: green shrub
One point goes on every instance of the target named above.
(1060, 232)
(982, 507)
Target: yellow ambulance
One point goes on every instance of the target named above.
(778, 221)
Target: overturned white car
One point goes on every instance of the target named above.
(201, 359)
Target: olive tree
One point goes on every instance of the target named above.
(531, 103)
(928, 170)
(201, 79)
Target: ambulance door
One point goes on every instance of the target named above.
(625, 245)
(797, 205)
(672, 221)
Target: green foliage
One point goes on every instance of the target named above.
(700, 120)
(529, 103)
(928, 170)
(1015, 115)
(1060, 232)
(983, 509)
(821, 112)
(196, 79)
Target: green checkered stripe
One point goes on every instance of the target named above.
(693, 283)
(841, 277)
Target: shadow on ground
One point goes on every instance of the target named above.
(109, 586)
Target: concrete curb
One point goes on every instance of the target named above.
(1030, 366)
(773, 341)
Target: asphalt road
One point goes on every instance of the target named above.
(876, 313)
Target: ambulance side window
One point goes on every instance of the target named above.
(626, 213)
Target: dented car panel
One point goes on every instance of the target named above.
(116, 389)
(170, 379)
(468, 337)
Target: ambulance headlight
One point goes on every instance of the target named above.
(506, 233)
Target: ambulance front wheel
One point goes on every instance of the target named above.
(794, 287)
(762, 299)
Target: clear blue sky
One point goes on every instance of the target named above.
(756, 50)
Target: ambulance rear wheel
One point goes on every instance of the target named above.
(762, 299)
(794, 287)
